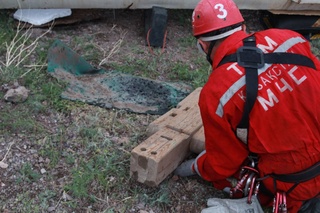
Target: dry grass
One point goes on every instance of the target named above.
(20, 47)
(113, 50)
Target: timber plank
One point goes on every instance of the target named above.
(188, 122)
(192, 99)
(171, 137)
(155, 158)
(186, 108)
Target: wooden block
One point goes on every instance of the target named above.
(191, 100)
(179, 114)
(155, 158)
(161, 122)
(169, 142)
(187, 122)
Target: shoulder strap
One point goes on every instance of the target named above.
(251, 76)
(272, 58)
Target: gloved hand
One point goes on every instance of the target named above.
(185, 169)
(311, 206)
(232, 205)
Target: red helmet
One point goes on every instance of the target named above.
(211, 15)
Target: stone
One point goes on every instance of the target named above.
(18, 95)
(3, 165)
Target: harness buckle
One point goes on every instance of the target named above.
(247, 184)
(251, 57)
(280, 203)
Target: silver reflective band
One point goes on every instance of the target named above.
(217, 37)
(196, 162)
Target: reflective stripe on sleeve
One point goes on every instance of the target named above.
(196, 162)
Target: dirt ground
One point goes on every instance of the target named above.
(106, 27)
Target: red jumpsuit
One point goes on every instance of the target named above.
(284, 121)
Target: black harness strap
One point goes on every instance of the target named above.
(296, 178)
(299, 177)
(251, 75)
(272, 58)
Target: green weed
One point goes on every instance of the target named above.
(70, 159)
(24, 203)
(88, 132)
(44, 198)
(27, 174)
(315, 47)
(5, 35)
(21, 120)
(181, 17)
(101, 171)
(188, 41)
(52, 147)
(51, 92)
(159, 197)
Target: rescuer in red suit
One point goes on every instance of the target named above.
(281, 130)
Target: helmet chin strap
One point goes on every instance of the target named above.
(212, 43)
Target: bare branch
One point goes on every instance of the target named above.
(5, 156)
(18, 49)
(114, 50)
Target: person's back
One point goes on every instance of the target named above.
(284, 122)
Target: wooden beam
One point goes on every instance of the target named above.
(187, 109)
(154, 159)
(169, 142)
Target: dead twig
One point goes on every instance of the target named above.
(5, 156)
(31, 67)
(114, 49)
(18, 49)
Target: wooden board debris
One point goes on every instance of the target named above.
(154, 159)
(186, 108)
(171, 138)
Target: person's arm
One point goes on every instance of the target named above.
(224, 153)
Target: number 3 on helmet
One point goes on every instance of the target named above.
(211, 15)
